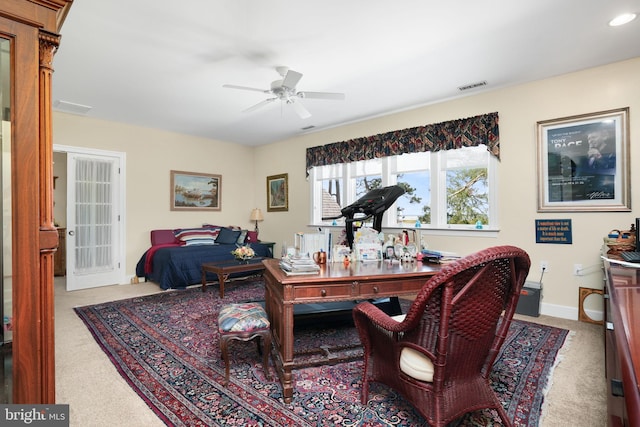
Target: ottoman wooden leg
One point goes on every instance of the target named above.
(224, 348)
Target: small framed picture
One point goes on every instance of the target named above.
(195, 191)
(277, 193)
(390, 253)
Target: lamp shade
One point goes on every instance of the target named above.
(256, 215)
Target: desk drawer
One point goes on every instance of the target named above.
(376, 289)
(323, 291)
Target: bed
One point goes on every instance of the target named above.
(175, 257)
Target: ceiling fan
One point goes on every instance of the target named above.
(285, 90)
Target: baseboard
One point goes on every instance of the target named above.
(566, 312)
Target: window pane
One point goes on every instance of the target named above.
(467, 185)
(415, 204)
(331, 198)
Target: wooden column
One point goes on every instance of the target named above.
(48, 234)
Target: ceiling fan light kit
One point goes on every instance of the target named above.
(285, 90)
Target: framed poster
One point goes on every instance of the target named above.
(583, 162)
(277, 193)
(195, 191)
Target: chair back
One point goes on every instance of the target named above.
(471, 303)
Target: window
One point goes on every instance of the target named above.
(454, 189)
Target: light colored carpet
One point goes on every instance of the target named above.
(98, 396)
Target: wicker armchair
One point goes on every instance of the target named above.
(439, 355)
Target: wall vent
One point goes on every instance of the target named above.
(472, 85)
(71, 107)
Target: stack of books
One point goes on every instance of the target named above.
(441, 257)
(298, 265)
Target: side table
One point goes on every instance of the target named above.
(227, 267)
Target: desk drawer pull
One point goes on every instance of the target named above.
(375, 290)
(323, 293)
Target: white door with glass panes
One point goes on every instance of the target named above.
(94, 223)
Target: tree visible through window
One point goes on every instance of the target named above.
(445, 189)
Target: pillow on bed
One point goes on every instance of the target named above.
(227, 236)
(197, 236)
(242, 237)
(162, 237)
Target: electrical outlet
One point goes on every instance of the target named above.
(544, 266)
(577, 269)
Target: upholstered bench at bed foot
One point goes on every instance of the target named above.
(244, 322)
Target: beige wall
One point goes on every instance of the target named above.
(151, 154)
(520, 107)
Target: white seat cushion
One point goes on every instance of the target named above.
(399, 318)
(416, 365)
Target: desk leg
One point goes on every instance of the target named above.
(286, 352)
(281, 319)
(204, 280)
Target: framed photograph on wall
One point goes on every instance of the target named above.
(195, 191)
(277, 193)
(583, 162)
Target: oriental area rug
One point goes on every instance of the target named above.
(166, 347)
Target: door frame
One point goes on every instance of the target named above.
(121, 195)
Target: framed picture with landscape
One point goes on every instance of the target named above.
(277, 193)
(583, 163)
(195, 191)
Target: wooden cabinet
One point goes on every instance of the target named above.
(31, 27)
(622, 344)
(60, 257)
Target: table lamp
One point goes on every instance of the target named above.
(256, 215)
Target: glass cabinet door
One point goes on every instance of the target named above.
(5, 202)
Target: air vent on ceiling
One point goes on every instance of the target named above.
(71, 107)
(472, 85)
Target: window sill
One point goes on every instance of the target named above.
(428, 231)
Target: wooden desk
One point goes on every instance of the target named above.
(622, 344)
(335, 283)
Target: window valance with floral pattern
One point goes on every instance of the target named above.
(469, 132)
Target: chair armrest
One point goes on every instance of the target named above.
(367, 311)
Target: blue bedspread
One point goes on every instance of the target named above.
(179, 266)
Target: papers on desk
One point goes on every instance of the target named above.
(439, 256)
(294, 266)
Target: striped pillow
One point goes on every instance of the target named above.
(197, 236)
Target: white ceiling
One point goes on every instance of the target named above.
(162, 64)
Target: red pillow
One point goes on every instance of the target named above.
(252, 237)
(162, 237)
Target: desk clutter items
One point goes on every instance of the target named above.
(293, 265)
(618, 241)
(367, 244)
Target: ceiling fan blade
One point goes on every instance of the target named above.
(259, 105)
(299, 109)
(291, 79)
(321, 95)
(246, 88)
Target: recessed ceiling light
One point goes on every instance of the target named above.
(625, 18)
